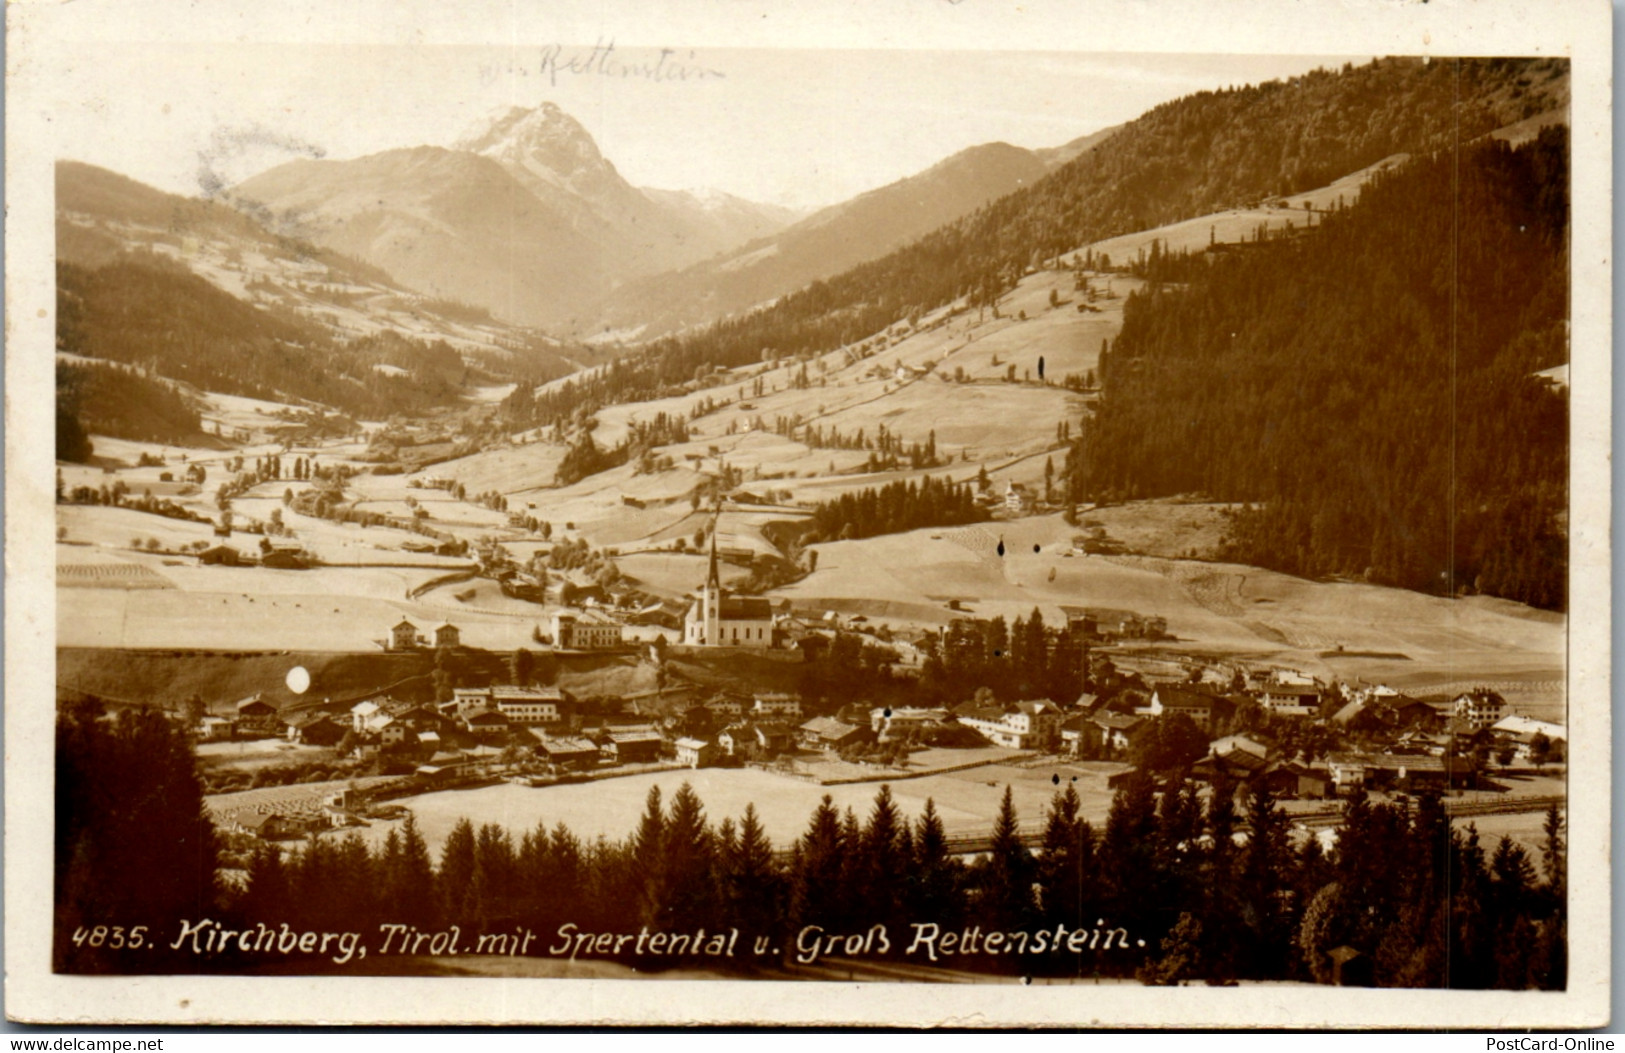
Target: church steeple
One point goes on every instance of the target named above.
(711, 597)
(713, 580)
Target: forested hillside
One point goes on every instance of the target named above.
(1198, 154)
(896, 507)
(1368, 386)
(121, 402)
(142, 309)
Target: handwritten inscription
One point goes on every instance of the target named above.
(665, 66)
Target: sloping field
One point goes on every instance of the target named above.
(595, 506)
(444, 511)
(129, 451)
(1233, 225)
(1170, 527)
(1066, 338)
(504, 470)
(673, 574)
(773, 454)
(482, 595)
(239, 411)
(105, 526)
(223, 678)
(1209, 606)
(319, 620)
(1526, 130)
(989, 421)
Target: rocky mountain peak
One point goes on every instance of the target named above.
(547, 144)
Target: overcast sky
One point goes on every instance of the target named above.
(795, 127)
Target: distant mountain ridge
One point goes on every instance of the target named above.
(524, 216)
(447, 223)
(829, 241)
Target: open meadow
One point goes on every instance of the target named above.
(967, 801)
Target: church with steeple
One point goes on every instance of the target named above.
(716, 619)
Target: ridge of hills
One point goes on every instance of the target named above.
(834, 239)
(198, 294)
(826, 243)
(523, 216)
(1194, 156)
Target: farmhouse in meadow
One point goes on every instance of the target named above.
(828, 733)
(569, 752)
(633, 746)
(719, 620)
(316, 730)
(256, 714)
(217, 729)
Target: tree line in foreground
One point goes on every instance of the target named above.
(1212, 883)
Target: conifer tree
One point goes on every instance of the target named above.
(647, 859)
(456, 871)
(1005, 897)
(884, 851)
(753, 886)
(816, 871)
(934, 877)
(686, 877)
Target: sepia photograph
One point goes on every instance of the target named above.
(758, 508)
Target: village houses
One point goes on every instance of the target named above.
(1027, 725)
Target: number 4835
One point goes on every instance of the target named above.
(115, 936)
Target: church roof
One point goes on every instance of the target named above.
(746, 608)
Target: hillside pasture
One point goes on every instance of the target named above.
(109, 527)
(239, 412)
(596, 507)
(986, 420)
(673, 574)
(1241, 224)
(772, 456)
(1210, 607)
(1170, 527)
(128, 451)
(504, 470)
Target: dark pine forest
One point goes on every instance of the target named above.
(1366, 389)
